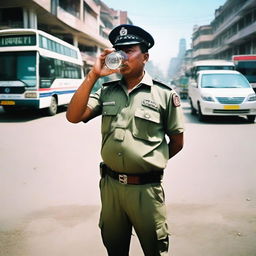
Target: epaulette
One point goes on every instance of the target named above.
(161, 84)
(110, 83)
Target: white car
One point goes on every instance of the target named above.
(222, 93)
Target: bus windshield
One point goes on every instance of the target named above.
(224, 81)
(248, 69)
(18, 66)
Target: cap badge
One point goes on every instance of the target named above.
(123, 31)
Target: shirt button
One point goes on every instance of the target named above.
(147, 116)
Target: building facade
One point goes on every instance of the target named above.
(234, 29)
(232, 32)
(202, 42)
(83, 23)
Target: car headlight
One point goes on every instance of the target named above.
(207, 98)
(252, 97)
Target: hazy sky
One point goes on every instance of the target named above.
(167, 21)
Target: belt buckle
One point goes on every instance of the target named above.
(122, 178)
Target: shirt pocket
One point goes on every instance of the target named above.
(109, 113)
(147, 125)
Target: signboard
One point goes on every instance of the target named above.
(17, 40)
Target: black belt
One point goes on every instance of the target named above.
(133, 179)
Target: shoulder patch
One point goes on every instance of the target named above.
(175, 100)
(161, 84)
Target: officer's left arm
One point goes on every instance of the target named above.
(176, 144)
(174, 124)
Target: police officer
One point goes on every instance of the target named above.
(137, 112)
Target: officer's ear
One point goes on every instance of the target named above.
(146, 57)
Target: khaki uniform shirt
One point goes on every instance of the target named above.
(134, 124)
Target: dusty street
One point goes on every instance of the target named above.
(49, 193)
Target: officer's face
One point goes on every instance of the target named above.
(136, 59)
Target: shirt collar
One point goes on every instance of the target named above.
(147, 80)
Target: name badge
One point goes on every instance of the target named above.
(150, 104)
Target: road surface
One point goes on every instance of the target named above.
(49, 193)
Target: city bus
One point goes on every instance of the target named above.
(37, 70)
(246, 64)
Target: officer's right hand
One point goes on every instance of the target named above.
(99, 68)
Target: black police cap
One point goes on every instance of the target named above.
(127, 34)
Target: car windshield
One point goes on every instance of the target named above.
(215, 68)
(224, 81)
(18, 66)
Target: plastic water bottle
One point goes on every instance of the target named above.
(114, 60)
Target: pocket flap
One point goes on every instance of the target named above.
(148, 114)
(109, 110)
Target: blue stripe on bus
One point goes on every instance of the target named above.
(48, 94)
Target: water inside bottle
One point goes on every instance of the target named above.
(115, 59)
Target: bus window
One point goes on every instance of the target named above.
(248, 69)
(51, 69)
(72, 71)
(46, 71)
(26, 69)
(7, 64)
(18, 66)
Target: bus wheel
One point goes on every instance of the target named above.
(52, 109)
(251, 118)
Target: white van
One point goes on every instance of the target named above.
(222, 93)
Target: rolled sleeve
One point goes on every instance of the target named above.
(94, 103)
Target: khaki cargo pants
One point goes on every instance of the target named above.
(139, 206)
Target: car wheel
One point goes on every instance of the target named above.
(201, 117)
(52, 109)
(251, 119)
(193, 110)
